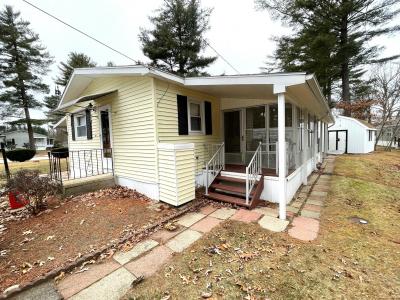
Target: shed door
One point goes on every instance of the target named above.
(341, 142)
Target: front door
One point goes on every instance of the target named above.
(233, 137)
(105, 132)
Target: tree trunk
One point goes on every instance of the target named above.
(30, 129)
(345, 69)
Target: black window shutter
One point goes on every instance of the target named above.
(72, 127)
(89, 135)
(182, 115)
(208, 117)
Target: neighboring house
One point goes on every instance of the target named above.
(20, 139)
(350, 135)
(170, 135)
(390, 135)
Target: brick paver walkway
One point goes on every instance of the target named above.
(113, 278)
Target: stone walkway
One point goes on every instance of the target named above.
(306, 208)
(113, 278)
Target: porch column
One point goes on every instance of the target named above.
(280, 90)
(305, 147)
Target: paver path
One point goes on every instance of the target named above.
(148, 256)
(305, 223)
(112, 278)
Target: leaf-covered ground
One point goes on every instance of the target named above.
(347, 261)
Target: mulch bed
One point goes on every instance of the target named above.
(70, 228)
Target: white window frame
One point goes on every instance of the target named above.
(202, 121)
(76, 116)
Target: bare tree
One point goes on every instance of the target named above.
(386, 90)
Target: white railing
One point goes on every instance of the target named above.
(253, 169)
(215, 165)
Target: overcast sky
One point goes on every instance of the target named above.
(239, 32)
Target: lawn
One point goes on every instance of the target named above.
(69, 229)
(347, 261)
(41, 165)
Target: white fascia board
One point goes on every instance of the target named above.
(316, 90)
(285, 79)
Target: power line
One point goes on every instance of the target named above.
(223, 58)
(81, 32)
(111, 48)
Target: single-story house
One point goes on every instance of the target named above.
(350, 135)
(245, 138)
(19, 139)
(390, 135)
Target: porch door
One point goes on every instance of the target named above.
(233, 137)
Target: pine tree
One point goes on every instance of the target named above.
(51, 103)
(177, 39)
(347, 26)
(23, 62)
(75, 60)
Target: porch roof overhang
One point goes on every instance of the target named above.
(83, 99)
(299, 87)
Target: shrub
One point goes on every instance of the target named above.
(20, 154)
(60, 152)
(33, 187)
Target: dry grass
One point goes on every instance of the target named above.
(347, 261)
(41, 165)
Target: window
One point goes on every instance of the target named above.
(195, 117)
(370, 135)
(80, 125)
(273, 115)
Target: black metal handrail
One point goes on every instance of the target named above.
(80, 163)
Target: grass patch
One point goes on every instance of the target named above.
(41, 165)
(380, 167)
(347, 260)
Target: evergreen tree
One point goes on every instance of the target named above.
(51, 103)
(75, 60)
(23, 62)
(177, 39)
(346, 27)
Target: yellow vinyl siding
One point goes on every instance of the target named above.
(132, 125)
(177, 175)
(167, 120)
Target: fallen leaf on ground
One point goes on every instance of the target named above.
(26, 232)
(50, 237)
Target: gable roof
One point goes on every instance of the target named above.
(359, 121)
(252, 86)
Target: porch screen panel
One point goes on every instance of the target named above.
(290, 135)
(255, 130)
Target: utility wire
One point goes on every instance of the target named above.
(113, 49)
(220, 55)
(81, 32)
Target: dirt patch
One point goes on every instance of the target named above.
(68, 229)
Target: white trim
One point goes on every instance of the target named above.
(279, 79)
(76, 115)
(166, 146)
(202, 122)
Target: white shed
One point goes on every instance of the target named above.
(350, 135)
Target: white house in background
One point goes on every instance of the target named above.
(245, 138)
(350, 135)
(20, 138)
(390, 135)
